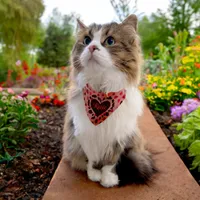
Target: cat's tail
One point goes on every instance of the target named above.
(135, 167)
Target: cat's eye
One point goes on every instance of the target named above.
(87, 40)
(110, 41)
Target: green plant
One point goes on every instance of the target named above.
(170, 55)
(152, 66)
(189, 138)
(17, 118)
(58, 42)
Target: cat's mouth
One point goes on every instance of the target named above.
(93, 59)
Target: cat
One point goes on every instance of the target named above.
(106, 62)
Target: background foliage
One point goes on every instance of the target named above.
(181, 15)
(56, 47)
(20, 29)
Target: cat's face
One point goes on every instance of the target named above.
(109, 48)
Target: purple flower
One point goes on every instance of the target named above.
(30, 78)
(176, 112)
(191, 104)
(187, 107)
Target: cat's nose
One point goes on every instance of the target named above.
(92, 48)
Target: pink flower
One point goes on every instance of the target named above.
(154, 85)
(10, 91)
(42, 96)
(1, 89)
(19, 97)
(18, 63)
(24, 94)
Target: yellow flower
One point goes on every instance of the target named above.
(172, 87)
(188, 83)
(186, 91)
(187, 59)
(149, 77)
(159, 94)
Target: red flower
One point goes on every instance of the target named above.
(57, 102)
(59, 76)
(197, 65)
(1, 84)
(34, 71)
(57, 81)
(42, 100)
(25, 67)
(35, 106)
(47, 100)
(63, 68)
(55, 96)
(35, 100)
(184, 70)
(19, 77)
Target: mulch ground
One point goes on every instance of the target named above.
(28, 176)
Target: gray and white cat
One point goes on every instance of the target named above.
(108, 58)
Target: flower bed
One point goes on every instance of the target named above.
(30, 143)
(28, 176)
(174, 96)
(25, 76)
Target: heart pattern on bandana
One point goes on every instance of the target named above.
(99, 105)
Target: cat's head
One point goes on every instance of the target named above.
(108, 49)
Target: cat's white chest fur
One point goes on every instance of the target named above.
(121, 123)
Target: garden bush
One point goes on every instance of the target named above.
(189, 138)
(17, 118)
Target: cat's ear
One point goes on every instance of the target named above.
(131, 20)
(80, 25)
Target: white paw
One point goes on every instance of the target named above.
(109, 179)
(94, 175)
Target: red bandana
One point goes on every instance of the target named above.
(100, 105)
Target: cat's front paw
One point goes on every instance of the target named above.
(94, 175)
(109, 179)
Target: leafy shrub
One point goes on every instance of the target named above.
(168, 57)
(152, 66)
(189, 138)
(17, 118)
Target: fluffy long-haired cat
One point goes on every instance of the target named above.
(101, 134)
